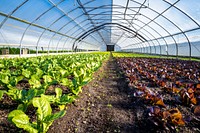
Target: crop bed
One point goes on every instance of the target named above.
(36, 91)
(167, 91)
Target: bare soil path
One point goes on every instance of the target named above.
(103, 106)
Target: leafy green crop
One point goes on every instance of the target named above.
(35, 81)
(21, 120)
(28, 80)
(60, 99)
(24, 97)
(44, 117)
(4, 78)
(26, 73)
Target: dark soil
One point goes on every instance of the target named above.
(106, 105)
(6, 106)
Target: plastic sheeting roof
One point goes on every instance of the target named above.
(156, 25)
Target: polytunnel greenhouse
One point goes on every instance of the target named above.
(96, 66)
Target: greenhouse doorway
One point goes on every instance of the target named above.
(110, 47)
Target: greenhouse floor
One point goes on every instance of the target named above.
(107, 104)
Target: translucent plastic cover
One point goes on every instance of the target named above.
(152, 26)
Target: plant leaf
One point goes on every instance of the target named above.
(50, 98)
(166, 114)
(198, 85)
(40, 92)
(1, 65)
(31, 94)
(86, 80)
(176, 117)
(39, 73)
(66, 82)
(175, 90)
(47, 78)
(160, 102)
(13, 114)
(4, 78)
(44, 108)
(26, 73)
(15, 94)
(55, 116)
(63, 72)
(61, 107)
(193, 101)
(34, 82)
(66, 99)
(22, 107)
(46, 126)
(58, 92)
(82, 72)
(1, 94)
(22, 121)
(75, 74)
(19, 78)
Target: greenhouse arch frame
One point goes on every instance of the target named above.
(164, 27)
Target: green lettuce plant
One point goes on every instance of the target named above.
(1, 93)
(44, 114)
(60, 99)
(23, 97)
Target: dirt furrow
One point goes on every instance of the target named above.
(103, 106)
